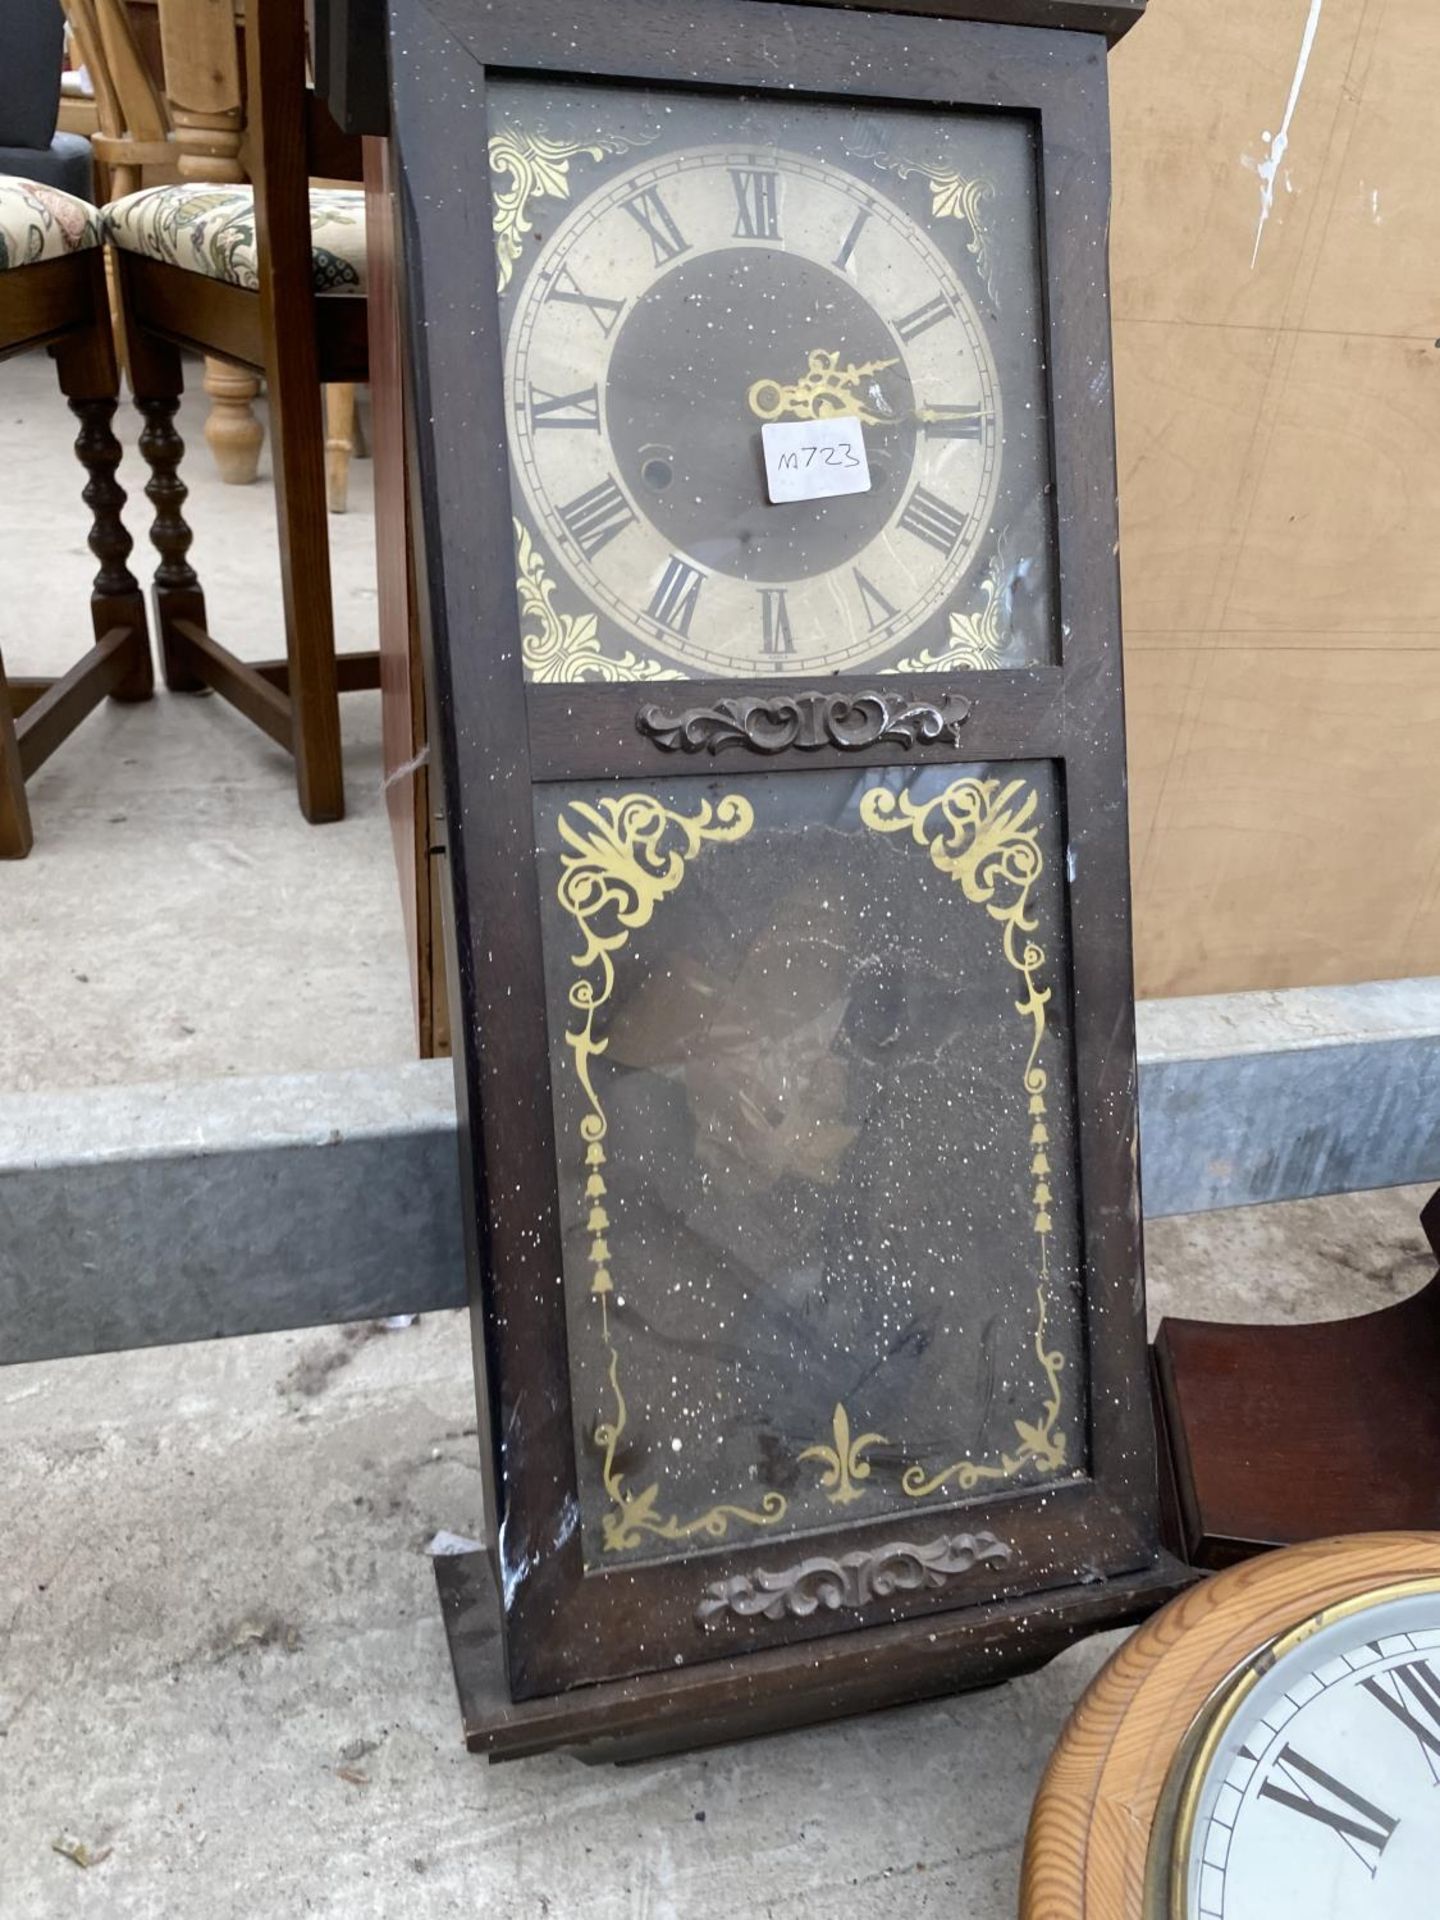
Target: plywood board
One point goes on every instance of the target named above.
(1278, 408)
(1298, 803)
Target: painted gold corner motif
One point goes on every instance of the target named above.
(954, 195)
(627, 854)
(565, 646)
(537, 168)
(978, 639)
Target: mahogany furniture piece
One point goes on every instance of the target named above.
(412, 793)
(1283, 1434)
(278, 327)
(787, 851)
(58, 301)
(347, 51)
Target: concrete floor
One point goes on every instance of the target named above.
(178, 919)
(223, 1661)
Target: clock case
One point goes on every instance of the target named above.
(613, 1661)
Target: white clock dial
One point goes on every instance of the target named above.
(673, 311)
(1318, 1794)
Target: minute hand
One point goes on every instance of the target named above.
(961, 423)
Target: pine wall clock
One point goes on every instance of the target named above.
(761, 367)
(1267, 1748)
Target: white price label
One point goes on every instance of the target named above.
(814, 459)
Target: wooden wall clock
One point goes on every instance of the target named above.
(1266, 1748)
(1271, 1433)
(786, 837)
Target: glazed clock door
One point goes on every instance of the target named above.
(788, 832)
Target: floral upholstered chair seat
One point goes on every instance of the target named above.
(42, 223)
(211, 230)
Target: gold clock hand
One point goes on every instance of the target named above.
(957, 415)
(826, 391)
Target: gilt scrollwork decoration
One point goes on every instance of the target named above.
(808, 721)
(556, 646)
(955, 193)
(984, 835)
(978, 638)
(852, 1580)
(536, 167)
(625, 855)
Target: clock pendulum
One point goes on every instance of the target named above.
(772, 617)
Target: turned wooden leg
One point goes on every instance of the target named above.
(16, 839)
(158, 382)
(234, 435)
(339, 444)
(116, 599)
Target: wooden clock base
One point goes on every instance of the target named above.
(773, 1691)
(1283, 1434)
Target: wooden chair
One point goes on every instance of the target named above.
(52, 293)
(135, 144)
(234, 271)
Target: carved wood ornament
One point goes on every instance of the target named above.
(808, 721)
(854, 1580)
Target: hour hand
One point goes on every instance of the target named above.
(826, 391)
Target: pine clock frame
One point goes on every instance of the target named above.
(630, 1659)
(1117, 1788)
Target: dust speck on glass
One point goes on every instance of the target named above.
(677, 270)
(811, 1063)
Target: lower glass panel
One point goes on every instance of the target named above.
(814, 1119)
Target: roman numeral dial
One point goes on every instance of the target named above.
(675, 599)
(604, 311)
(594, 517)
(757, 204)
(578, 412)
(1411, 1693)
(1318, 1787)
(910, 326)
(777, 636)
(655, 220)
(1314, 1794)
(654, 307)
(932, 520)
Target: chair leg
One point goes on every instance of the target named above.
(339, 444)
(16, 838)
(158, 382)
(89, 376)
(298, 445)
(234, 435)
(116, 600)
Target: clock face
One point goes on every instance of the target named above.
(1320, 1798)
(677, 274)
